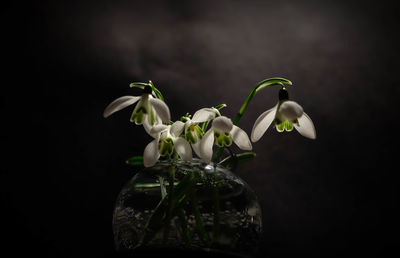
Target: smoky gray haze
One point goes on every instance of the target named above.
(331, 195)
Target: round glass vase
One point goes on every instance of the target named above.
(187, 206)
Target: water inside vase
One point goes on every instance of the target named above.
(227, 210)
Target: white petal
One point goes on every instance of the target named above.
(151, 154)
(222, 124)
(203, 115)
(206, 145)
(196, 148)
(262, 123)
(119, 104)
(241, 138)
(291, 110)
(183, 149)
(161, 109)
(148, 128)
(155, 130)
(306, 127)
(177, 128)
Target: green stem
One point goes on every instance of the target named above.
(156, 91)
(162, 187)
(158, 220)
(185, 232)
(169, 211)
(217, 207)
(199, 221)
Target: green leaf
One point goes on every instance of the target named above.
(159, 218)
(230, 161)
(184, 227)
(135, 161)
(204, 237)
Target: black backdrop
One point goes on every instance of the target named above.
(64, 163)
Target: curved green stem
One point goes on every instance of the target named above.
(259, 86)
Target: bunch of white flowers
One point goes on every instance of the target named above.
(177, 139)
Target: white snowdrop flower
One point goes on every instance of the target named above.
(192, 130)
(147, 106)
(166, 140)
(222, 132)
(285, 115)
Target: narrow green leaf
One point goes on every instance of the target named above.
(239, 158)
(184, 227)
(205, 238)
(158, 219)
(135, 161)
(245, 156)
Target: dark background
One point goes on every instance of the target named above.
(64, 163)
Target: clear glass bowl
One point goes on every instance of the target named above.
(188, 206)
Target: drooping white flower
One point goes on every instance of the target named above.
(285, 115)
(166, 140)
(192, 130)
(148, 107)
(222, 132)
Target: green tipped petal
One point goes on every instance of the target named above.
(166, 147)
(139, 113)
(223, 139)
(280, 127)
(189, 137)
(227, 140)
(288, 126)
(138, 118)
(219, 142)
(152, 117)
(193, 134)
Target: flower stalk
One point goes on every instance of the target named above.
(259, 86)
(216, 206)
(171, 180)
